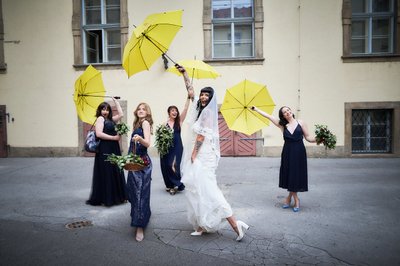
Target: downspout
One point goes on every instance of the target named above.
(299, 63)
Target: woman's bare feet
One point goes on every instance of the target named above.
(139, 234)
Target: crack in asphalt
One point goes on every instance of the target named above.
(253, 250)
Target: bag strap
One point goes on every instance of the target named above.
(93, 124)
(134, 147)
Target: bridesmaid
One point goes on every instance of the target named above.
(171, 162)
(108, 185)
(139, 182)
(293, 171)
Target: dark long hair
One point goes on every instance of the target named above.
(102, 106)
(282, 120)
(200, 108)
(177, 123)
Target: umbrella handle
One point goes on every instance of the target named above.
(88, 95)
(115, 97)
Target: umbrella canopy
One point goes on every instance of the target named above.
(237, 103)
(196, 69)
(150, 40)
(89, 93)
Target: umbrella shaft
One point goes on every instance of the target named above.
(165, 54)
(105, 96)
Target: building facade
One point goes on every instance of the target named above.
(333, 62)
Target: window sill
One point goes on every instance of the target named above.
(100, 66)
(235, 61)
(371, 58)
(373, 155)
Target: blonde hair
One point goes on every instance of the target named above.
(137, 122)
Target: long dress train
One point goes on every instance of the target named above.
(207, 206)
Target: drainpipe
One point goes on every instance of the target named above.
(299, 63)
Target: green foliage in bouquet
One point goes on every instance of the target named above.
(325, 136)
(121, 160)
(122, 128)
(164, 139)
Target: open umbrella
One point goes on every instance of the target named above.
(89, 93)
(196, 69)
(237, 103)
(150, 40)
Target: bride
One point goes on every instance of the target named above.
(207, 206)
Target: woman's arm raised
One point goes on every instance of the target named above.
(271, 118)
(120, 114)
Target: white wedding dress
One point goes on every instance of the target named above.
(207, 206)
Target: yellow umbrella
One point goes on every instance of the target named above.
(237, 103)
(89, 93)
(150, 40)
(196, 69)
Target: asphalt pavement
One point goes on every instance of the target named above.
(349, 216)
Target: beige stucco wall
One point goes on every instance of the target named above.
(302, 69)
(37, 88)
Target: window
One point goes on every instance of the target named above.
(372, 131)
(370, 29)
(100, 30)
(101, 33)
(233, 30)
(233, 23)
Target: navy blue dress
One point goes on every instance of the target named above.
(138, 184)
(171, 162)
(293, 171)
(108, 185)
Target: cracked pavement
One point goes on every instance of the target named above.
(348, 217)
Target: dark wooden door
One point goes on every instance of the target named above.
(233, 143)
(3, 132)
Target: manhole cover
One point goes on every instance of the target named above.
(78, 224)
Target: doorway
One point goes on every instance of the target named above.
(234, 143)
(3, 132)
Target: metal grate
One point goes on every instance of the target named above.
(78, 224)
(372, 131)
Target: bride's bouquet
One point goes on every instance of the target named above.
(164, 139)
(325, 136)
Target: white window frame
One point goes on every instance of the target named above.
(369, 16)
(103, 27)
(348, 57)
(232, 21)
